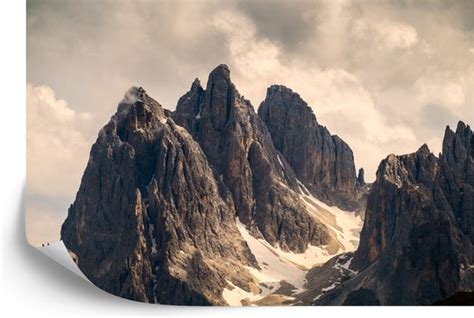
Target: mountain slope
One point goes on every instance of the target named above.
(150, 222)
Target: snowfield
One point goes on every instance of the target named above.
(278, 265)
(344, 225)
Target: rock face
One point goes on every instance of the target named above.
(150, 221)
(416, 243)
(239, 147)
(323, 162)
(154, 219)
(361, 177)
(457, 176)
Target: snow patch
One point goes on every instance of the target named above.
(154, 246)
(332, 286)
(344, 225)
(281, 163)
(347, 263)
(234, 296)
(275, 264)
(198, 116)
(344, 266)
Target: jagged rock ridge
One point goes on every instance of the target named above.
(238, 145)
(149, 222)
(416, 243)
(323, 162)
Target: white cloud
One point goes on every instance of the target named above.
(57, 147)
(443, 89)
(392, 35)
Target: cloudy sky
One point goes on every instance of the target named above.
(386, 76)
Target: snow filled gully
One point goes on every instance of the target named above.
(283, 273)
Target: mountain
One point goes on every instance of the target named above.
(416, 246)
(150, 222)
(214, 204)
(238, 145)
(323, 162)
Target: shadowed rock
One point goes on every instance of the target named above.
(323, 162)
(361, 177)
(149, 221)
(239, 147)
(416, 243)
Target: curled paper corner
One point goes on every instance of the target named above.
(59, 253)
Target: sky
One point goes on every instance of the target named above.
(385, 76)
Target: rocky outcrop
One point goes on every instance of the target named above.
(151, 222)
(361, 177)
(323, 162)
(416, 243)
(239, 147)
(457, 176)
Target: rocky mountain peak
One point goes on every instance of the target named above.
(361, 177)
(220, 73)
(421, 166)
(286, 93)
(289, 100)
(196, 85)
(458, 145)
(323, 162)
(139, 225)
(424, 151)
(417, 238)
(240, 149)
(457, 175)
(221, 89)
(136, 97)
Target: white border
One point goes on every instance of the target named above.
(32, 284)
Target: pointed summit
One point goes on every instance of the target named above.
(196, 84)
(288, 98)
(219, 78)
(149, 222)
(457, 146)
(322, 162)
(361, 177)
(240, 149)
(421, 228)
(424, 150)
(220, 71)
(284, 92)
(461, 126)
